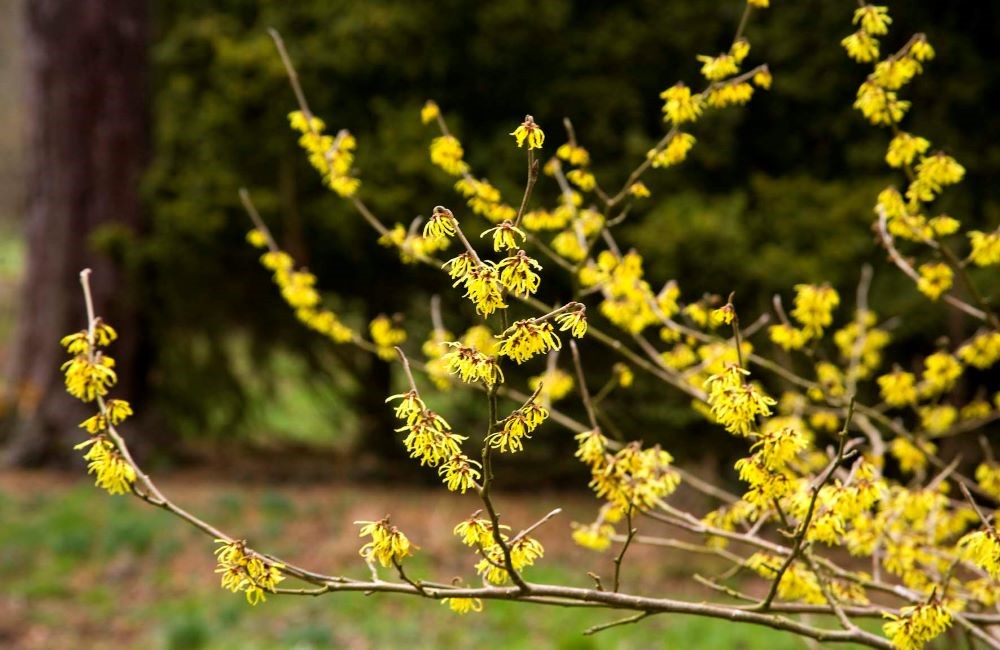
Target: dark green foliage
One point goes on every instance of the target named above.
(774, 194)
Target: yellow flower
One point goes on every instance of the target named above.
(988, 477)
(982, 548)
(117, 410)
(759, 4)
(898, 389)
(639, 190)
(740, 49)
(718, 67)
(568, 244)
(787, 337)
(674, 152)
(933, 174)
(937, 419)
(595, 536)
(723, 315)
(481, 281)
(574, 321)
(463, 605)
(257, 238)
(386, 337)
(881, 107)
(680, 105)
(441, 224)
(556, 384)
(730, 94)
(935, 279)
(797, 583)
(429, 112)
(943, 225)
(814, 307)
(86, 379)
(874, 20)
(526, 338)
(277, 261)
(893, 74)
(762, 78)
(447, 153)
(244, 571)
(921, 50)
(976, 409)
(471, 365)
(624, 375)
(985, 247)
(410, 404)
(982, 351)
(517, 276)
(529, 131)
(544, 220)
(861, 46)
(76, 343)
(505, 236)
(332, 157)
(388, 544)
(911, 457)
(734, 403)
(95, 424)
(582, 179)
(460, 473)
(591, 447)
(298, 289)
(110, 469)
(914, 626)
(904, 148)
(777, 448)
(941, 371)
(477, 532)
(573, 154)
(517, 426)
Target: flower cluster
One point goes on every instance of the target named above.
(766, 470)
(735, 403)
(471, 365)
(386, 336)
(428, 436)
(935, 279)
(797, 583)
(527, 338)
(388, 544)
(517, 274)
(298, 288)
(243, 570)
(632, 477)
(524, 550)
(516, 427)
(982, 548)
(914, 626)
(332, 157)
(89, 376)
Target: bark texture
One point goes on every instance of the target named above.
(87, 104)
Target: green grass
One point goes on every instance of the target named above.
(118, 574)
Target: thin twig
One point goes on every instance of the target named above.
(628, 541)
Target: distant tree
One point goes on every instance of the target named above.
(87, 114)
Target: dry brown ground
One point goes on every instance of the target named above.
(320, 535)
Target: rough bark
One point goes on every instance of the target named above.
(87, 104)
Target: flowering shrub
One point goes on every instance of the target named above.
(824, 522)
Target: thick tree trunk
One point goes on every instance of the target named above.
(88, 143)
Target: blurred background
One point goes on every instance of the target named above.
(128, 128)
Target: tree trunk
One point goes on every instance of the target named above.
(88, 142)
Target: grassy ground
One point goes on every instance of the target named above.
(81, 569)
